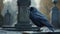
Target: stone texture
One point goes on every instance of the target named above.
(23, 15)
(55, 15)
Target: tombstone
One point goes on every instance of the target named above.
(55, 15)
(7, 20)
(23, 21)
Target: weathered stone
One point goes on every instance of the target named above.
(55, 16)
(23, 21)
(23, 15)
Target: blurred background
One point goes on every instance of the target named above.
(44, 6)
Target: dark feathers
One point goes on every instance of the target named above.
(39, 19)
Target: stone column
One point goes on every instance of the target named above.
(55, 15)
(23, 22)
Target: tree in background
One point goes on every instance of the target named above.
(45, 7)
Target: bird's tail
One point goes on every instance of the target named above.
(51, 28)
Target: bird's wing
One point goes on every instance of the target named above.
(45, 23)
(43, 20)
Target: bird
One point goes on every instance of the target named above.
(39, 19)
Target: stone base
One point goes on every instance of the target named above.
(21, 29)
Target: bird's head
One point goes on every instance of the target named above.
(32, 9)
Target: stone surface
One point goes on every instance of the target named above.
(23, 14)
(55, 16)
(28, 32)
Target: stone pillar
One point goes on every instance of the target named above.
(55, 15)
(23, 22)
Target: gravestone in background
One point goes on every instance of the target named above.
(7, 20)
(55, 15)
